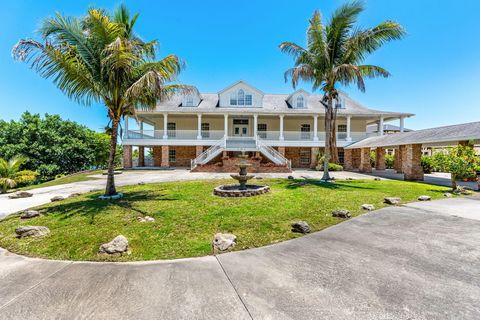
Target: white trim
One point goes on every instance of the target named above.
(165, 126)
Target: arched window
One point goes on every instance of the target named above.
(241, 97)
(300, 102)
(189, 100)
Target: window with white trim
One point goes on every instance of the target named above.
(262, 130)
(172, 155)
(305, 131)
(188, 100)
(342, 131)
(241, 98)
(305, 157)
(300, 102)
(172, 129)
(205, 130)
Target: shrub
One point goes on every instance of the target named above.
(25, 177)
(439, 160)
(331, 167)
(427, 164)
(48, 171)
(373, 158)
(389, 161)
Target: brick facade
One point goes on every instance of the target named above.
(229, 164)
(380, 159)
(293, 154)
(183, 155)
(127, 157)
(141, 156)
(365, 165)
(412, 167)
(348, 159)
(198, 150)
(165, 161)
(397, 159)
(157, 156)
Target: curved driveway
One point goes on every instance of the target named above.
(419, 261)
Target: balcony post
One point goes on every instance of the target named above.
(402, 124)
(380, 126)
(199, 126)
(349, 138)
(255, 125)
(315, 128)
(165, 126)
(225, 124)
(281, 128)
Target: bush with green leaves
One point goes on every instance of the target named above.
(8, 172)
(331, 167)
(389, 158)
(26, 178)
(427, 164)
(460, 162)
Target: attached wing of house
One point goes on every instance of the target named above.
(205, 130)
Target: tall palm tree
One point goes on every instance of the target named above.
(334, 55)
(99, 58)
(8, 172)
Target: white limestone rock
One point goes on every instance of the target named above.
(20, 195)
(146, 219)
(392, 200)
(28, 214)
(31, 231)
(57, 198)
(341, 213)
(117, 245)
(447, 195)
(424, 198)
(368, 207)
(300, 227)
(223, 242)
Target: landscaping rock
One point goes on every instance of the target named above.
(32, 231)
(57, 198)
(290, 178)
(368, 207)
(20, 194)
(75, 194)
(462, 190)
(341, 213)
(146, 219)
(392, 200)
(377, 179)
(424, 198)
(301, 227)
(447, 195)
(117, 245)
(223, 242)
(349, 178)
(28, 214)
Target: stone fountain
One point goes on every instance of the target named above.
(242, 189)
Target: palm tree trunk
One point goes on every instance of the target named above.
(453, 178)
(110, 189)
(328, 134)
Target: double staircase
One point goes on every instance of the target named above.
(240, 144)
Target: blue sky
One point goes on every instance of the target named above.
(436, 68)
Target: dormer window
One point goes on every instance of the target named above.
(241, 98)
(300, 102)
(188, 100)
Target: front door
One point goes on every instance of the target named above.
(240, 127)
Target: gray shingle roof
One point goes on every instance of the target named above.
(386, 127)
(458, 132)
(274, 104)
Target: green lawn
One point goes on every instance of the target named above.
(188, 215)
(77, 177)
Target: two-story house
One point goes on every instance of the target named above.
(205, 131)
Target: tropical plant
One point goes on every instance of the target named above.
(460, 162)
(334, 55)
(99, 58)
(427, 164)
(8, 172)
(389, 161)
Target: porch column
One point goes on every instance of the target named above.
(380, 126)
(141, 156)
(165, 162)
(349, 118)
(402, 123)
(199, 126)
(127, 156)
(365, 165)
(165, 126)
(380, 159)
(157, 156)
(397, 159)
(348, 159)
(225, 124)
(315, 128)
(255, 125)
(412, 167)
(281, 128)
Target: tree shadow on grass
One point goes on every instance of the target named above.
(93, 206)
(299, 183)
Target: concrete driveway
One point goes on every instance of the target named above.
(417, 261)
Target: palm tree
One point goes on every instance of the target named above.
(334, 55)
(8, 172)
(99, 58)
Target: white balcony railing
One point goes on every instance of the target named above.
(218, 134)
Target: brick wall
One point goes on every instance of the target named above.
(184, 154)
(157, 156)
(127, 156)
(380, 159)
(293, 154)
(412, 167)
(229, 164)
(365, 165)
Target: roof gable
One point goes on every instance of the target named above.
(242, 84)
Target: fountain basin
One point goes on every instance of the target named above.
(234, 191)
